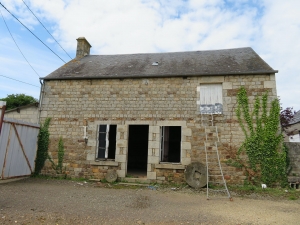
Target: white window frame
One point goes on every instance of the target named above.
(106, 141)
(210, 98)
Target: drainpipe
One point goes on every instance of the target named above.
(2, 111)
(41, 100)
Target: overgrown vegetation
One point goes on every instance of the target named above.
(263, 145)
(43, 143)
(17, 100)
(276, 193)
(60, 154)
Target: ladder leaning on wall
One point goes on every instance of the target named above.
(213, 165)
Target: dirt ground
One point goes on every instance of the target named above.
(41, 201)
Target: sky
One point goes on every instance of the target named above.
(270, 27)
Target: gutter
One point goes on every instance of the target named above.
(156, 76)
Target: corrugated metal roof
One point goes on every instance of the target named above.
(215, 62)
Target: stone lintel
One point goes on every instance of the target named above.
(211, 79)
(171, 123)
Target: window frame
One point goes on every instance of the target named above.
(212, 104)
(107, 142)
(162, 143)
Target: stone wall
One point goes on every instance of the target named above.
(28, 114)
(156, 102)
(294, 156)
(292, 130)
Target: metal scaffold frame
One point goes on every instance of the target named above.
(209, 150)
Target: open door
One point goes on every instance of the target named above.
(137, 150)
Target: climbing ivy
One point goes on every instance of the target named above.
(263, 142)
(43, 143)
(60, 154)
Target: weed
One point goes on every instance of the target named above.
(280, 193)
(293, 197)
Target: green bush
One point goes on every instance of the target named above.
(60, 155)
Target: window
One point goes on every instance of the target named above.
(170, 143)
(211, 100)
(106, 141)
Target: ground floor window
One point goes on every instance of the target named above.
(107, 134)
(170, 143)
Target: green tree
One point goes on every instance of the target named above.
(17, 100)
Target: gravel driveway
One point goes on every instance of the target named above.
(39, 201)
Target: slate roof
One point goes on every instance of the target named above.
(296, 118)
(196, 63)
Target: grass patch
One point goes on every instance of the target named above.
(278, 193)
(64, 177)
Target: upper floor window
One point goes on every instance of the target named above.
(211, 99)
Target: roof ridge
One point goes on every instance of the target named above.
(176, 52)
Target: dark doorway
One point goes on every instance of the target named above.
(137, 150)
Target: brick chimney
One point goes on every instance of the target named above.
(83, 47)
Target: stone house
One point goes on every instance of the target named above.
(28, 113)
(145, 114)
(292, 133)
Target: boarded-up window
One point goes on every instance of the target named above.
(211, 99)
(106, 141)
(170, 143)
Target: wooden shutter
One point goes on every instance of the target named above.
(103, 142)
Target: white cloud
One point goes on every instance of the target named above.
(271, 27)
(279, 45)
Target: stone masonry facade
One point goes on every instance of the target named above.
(294, 157)
(73, 104)
(28, 114)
